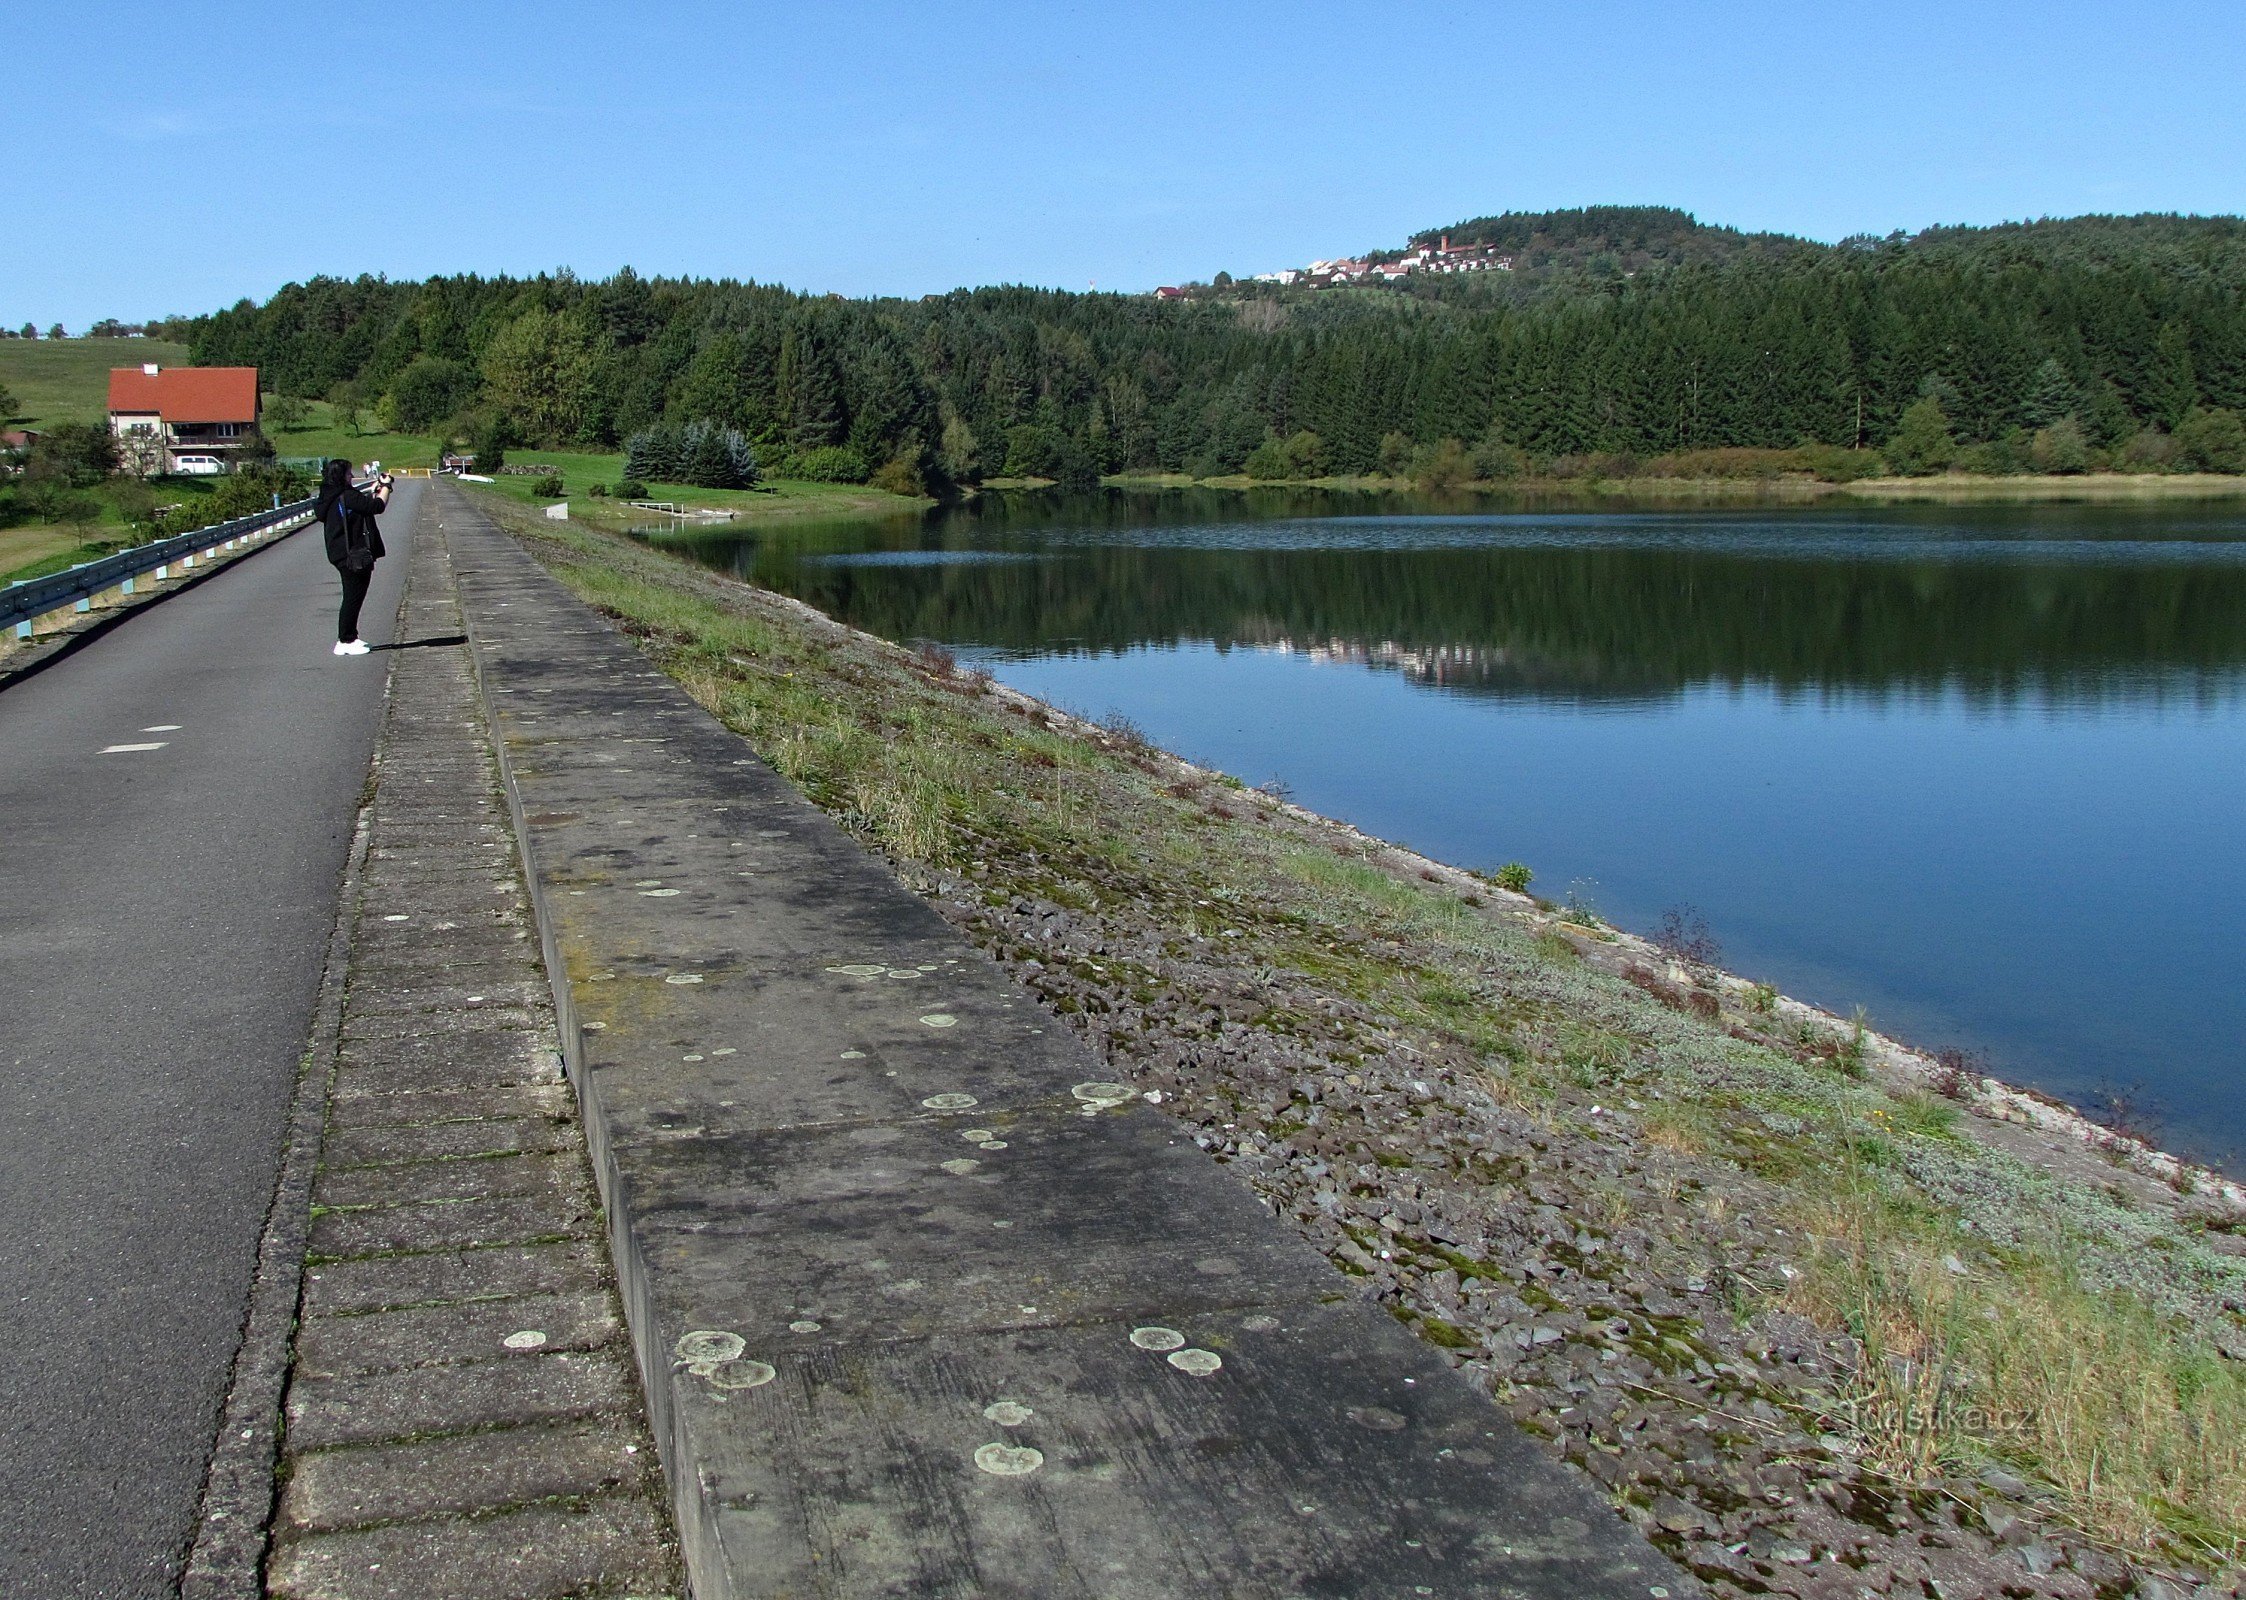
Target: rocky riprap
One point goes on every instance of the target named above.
(1587, 1276)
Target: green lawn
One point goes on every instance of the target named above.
(34, 549)
(321, 435)
(779, 497)
(67, 380)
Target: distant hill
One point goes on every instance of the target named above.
(1610, 239)
(1605, 241)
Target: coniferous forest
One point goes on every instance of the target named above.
(1621, 339)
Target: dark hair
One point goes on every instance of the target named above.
(335, 477)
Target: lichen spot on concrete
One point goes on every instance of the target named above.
(803, 1325)
(708, 1346)
(904, 972)
(977, 1135)
(399, 917)
(1009, 1460)
(657, 894)
(1157, 1338)
(1200, 1363)
(860, 969)
(1099, 1096)
(991, 1144)
(960, 1167)
(853, 1055)
(649, 883)
(1008, 1413)
(527, 1339)
(952, 1101)
(684, 977)
(690, 1058)
(940, 1019)
(741, 1374)
(1259, 1323)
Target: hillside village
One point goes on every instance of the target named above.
(1441, 257)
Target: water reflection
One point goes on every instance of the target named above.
(2072, 605)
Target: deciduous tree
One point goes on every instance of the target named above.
(539, 370)
(1922, 441)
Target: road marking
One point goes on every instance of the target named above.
(162, 727)
(123, 749)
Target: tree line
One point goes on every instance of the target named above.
(2064, 345)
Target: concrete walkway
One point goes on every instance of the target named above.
(922, 1304)
(464, 1419)
(176, 801)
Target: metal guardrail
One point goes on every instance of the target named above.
(22, 603)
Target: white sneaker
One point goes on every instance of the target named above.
(354, 647)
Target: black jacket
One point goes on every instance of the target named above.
(353, 508)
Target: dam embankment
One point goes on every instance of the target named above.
(1809, 1313)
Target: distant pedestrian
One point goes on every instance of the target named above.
(347, 514)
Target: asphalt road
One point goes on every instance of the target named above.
(163, 917)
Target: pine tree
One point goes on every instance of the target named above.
(2051, 395)
(2170, 388)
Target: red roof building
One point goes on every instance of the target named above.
(173, 419)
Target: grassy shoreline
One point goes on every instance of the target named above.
(1542, 1142)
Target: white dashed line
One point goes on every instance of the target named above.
(126, 749)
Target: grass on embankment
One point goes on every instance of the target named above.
(67, 380)
(2065, 1329)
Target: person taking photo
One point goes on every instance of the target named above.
(347, 514)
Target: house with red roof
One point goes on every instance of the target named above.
(182, 419)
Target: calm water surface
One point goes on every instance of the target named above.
(1979, 771)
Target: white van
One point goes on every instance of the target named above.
(198, 466)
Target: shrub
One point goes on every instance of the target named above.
(1444, 465)
(2148, 451)
(1495, 459)
(1684, 936)
(1922, 442)
(2060, 448)
(1836, 464)
(1395, 454)
(630, 489)
(597, 491)
(548, 487)
(900, 474)
(831, 463)
(1514, 875)
(2212, 441)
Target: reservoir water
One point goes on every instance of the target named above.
(1980, 771)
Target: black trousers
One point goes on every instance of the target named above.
(354, 596)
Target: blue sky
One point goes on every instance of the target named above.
(164, 162)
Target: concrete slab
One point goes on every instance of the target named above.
(922, 1303)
